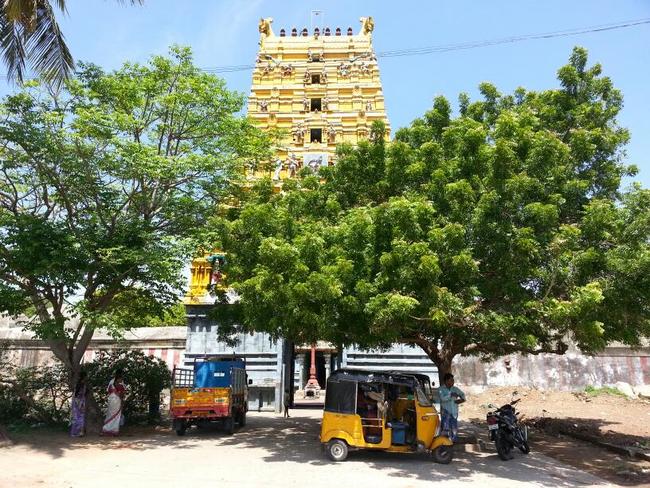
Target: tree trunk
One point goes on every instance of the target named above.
(94, 415)
(444, 367)
(442, 357)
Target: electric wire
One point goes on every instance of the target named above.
(418, 51)
(473, 44)
(512, 39)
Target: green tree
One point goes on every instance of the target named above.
(500, 230)
(30, 32)
(145, 376)
(104, 190)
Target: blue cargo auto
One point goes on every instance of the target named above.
(215, 390)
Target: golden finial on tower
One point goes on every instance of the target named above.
(367, 25)
(264, 27)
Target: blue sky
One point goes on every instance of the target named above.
(225, 33)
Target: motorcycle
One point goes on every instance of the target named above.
(506, 431)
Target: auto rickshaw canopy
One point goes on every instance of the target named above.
(341, 393)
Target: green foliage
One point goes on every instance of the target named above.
(501, 230)
(34, 394)
(12, 407)
(603, 390)
(145, 378)
(105, 187)
(131, 310)
(42, 394)
(173, 316)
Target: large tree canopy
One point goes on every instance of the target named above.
(104, 187)
(500, 230)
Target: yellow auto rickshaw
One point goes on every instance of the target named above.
(387, 410)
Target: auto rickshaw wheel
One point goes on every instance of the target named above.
(443, 454)
(337, 450)
(242, 418)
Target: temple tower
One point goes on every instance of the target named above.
(319, 88)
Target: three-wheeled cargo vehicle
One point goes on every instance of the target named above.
(387, 410)
(215, 390)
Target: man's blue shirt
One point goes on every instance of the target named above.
(448, 402)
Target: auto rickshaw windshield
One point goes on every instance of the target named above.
(423, 398)
(341, 396)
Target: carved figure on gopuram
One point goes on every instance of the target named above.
(278, 169)
(292, 165)
(331, 133)
(344, 69)
(264, 26)
(367, 25)
(299, 133)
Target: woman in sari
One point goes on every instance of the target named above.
(78, 413)
(115, 391)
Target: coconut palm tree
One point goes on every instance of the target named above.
(30, 33)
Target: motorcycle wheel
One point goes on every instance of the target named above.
(521, 441)
(524, 447)
(504, 448)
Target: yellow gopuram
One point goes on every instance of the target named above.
(319, 88)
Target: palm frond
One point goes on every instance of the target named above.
(12, 47)
(29, 31)
(61, 5)
(46, 48)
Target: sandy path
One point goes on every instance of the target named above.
(270, 452)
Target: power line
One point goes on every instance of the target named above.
(474, 44)
(464, 45)
(506, 40)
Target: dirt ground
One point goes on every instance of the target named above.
(553, 414)
(270, 451)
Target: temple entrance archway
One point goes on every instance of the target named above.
(312, 365)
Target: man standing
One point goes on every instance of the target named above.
(450, 398)
(287, 403)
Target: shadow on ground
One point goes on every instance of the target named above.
(546, 437)
(295, 440)
(604, 429)
(56, 442)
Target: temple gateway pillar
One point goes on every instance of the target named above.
(328, 365)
